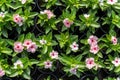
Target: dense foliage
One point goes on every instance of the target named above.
(81, 35)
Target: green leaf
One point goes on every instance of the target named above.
(100, 55)
(84, 41)
(45, 49)
(6, 51)
(10, 42)
(26, 74)
(21, 38)
(33, 14)
(14, 74)
(14, 5)
(108, 50)
(28, 36)
(5, 34)
(117, 69)
(33, 61)
(95, 25)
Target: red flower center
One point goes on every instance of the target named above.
(18, 46)
(67, 23)
(48, 63)
(114, 39)
(92, 40)
(116, 61)
(53, 54)
(90, 62)
(32, 47)
(74, 46)
(111, 0)
(16, 18)
(95, 48)
(27, 43)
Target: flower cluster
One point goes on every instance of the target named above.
(18, 19)
(28, 45)
(93, 40)
(62, 33)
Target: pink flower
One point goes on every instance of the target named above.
(2, 72)
(32, 48)
(116, 62)
(18, 64)
(18, 19)
(18, 47)
(90, 63)
(112, 1)
(92, 40)
(27, 43)
(94, 49)
(47, 64)
(74, 46)
(54, 54)
(49, 13)
(67, 22)
(114, 40)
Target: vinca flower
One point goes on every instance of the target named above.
(54, 54)
(2, 72)
(114, 40)
(43, 41)
(23, 1)
(18, 19)
(92, 40)
(2, 14)
(18, 64)
(32, 48)
(112, 1)
(47, 64)
(67, 22)
(74, 46)
(90, 63)
(86, 16)
(27, 43)
(73, 70)
(48, 13)
(18, 47)
(94, 49)
(116, 62)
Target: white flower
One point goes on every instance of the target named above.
(54, 54)
(2, 14)
(116, 62)
(112, 1)
(94, 49)
(73, 70)
(23, 1)
(74, 46)
(114, 40)
(43, 41)
(101, 2)
(118, 78)
(86, 15)
(92, 40)
(17, 64)
(48, 13)
(46, 0)
(90, 63)
(47, 64)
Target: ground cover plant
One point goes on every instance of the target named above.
(59, 39)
